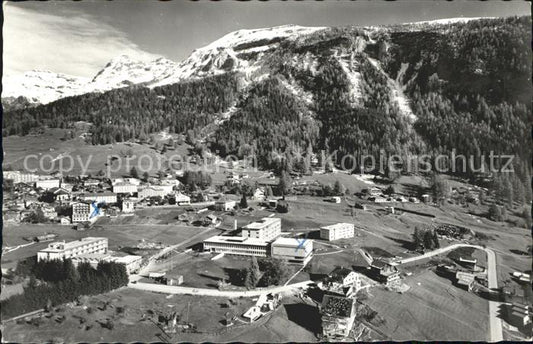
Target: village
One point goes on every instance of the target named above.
(339, 252)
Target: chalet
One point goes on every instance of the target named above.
(174, 280)
(384, 272)
(465, 280)
(259, 194)
(342, 281)
(374, 191)
(225, 205)
(48, 212)
(182, 199)
(344, 276)
(65, 221)
(337, 315)
(59, 194)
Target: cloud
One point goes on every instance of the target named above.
(67, 42)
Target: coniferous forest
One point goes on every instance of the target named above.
(468, 86)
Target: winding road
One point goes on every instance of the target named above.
(167, 289)
(495, 323)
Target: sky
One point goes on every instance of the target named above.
(79, 38)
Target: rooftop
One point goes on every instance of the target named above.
(217, 239)
(126, 259)
(61, 246)
(96, 194)
(341, 272)
(292, 242)
(337, 306)
(265, 221)
(337, 225)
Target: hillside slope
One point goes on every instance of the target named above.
(289, 91)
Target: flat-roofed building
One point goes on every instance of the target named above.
(80, 212)
(153, 191)
(237, 246)
(131, 263)
(47, 184)
(128, 206)
(20, 177)
(100, 197)
(133, 181)
(293, 250)
(91, 258)
(337, 231)
(62, 250)
(124, 188)
(266, 229)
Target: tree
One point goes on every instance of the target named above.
(418, 238)
(526, 215)
(284, 183)
(274, 271)
(8, 185)
(253, 274)
(389, 190)
(36, 217)
(244, 202)
(282, 206)
(440, 188)
(146, 176)
(495, 213)
(134, 173)
(338, 188)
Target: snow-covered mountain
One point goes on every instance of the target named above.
(42, 87)
(238, 51)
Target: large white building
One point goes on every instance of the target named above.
(337, 231)
(266, 229)
(47, 184)
(154, 191)
(133, 181)
(132, 263)
(80, 212)
(102, 197)
(124, 188)
(62, 250)
(20, 177)
(293, 250)
(237, 246)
